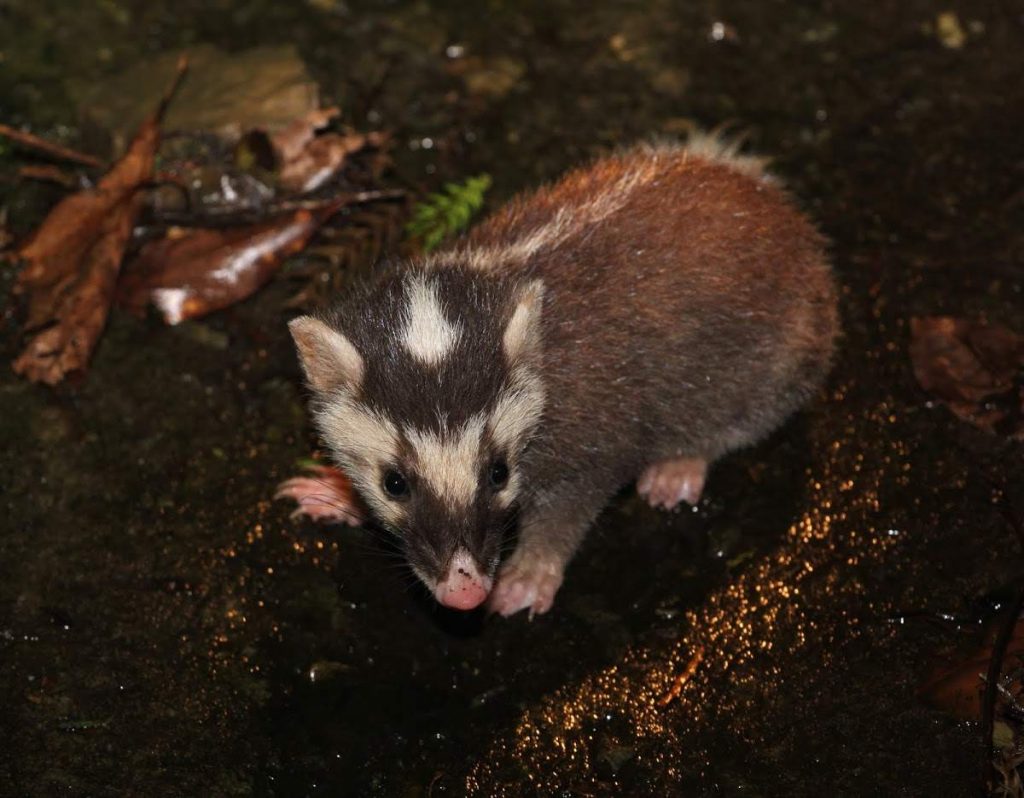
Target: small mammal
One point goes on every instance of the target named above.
(635, 320)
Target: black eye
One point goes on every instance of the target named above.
(395, 485)
(498, 474)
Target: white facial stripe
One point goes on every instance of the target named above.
(362, 441)
(428, 335)
(567, 221)
(518, 410)
(508, 494)
(450, 463)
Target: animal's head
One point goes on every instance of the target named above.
(427, 391)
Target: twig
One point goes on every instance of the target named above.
(33, 142)
(179, 76)
(988, 703)
(47, 173)
(680, 681)
(232, 215)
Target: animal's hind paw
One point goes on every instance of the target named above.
(669, 482)
(527, 581)
(326, 495)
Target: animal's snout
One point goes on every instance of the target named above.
(464, 586)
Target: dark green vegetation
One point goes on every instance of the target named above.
(166, 630)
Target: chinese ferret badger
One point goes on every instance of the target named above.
(634, 321)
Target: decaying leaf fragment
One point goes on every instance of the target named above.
(956, 686)
(72, 260)
(323, 158)
(190, 273)
(974, 368)
(304, 156)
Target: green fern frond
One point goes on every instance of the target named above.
(447, 212)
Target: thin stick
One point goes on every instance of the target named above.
(988, 704)
(179, 75)
(34, 142)
(232, 215)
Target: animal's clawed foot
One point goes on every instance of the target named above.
(325, 495)
(528, 581)
(669, 482)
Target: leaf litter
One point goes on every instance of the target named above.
(72, 260)
(974, 368)
(202, 250)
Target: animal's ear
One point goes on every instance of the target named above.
(328, 357)
(522, 334)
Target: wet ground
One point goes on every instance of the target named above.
(165, 629)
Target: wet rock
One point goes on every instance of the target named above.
(226, 93)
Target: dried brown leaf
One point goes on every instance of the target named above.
(80, 311)
(956, 687)
(972, 367)
(198, 271)
(290, 142)
(321, 159)
(58, 244)
(72, 260)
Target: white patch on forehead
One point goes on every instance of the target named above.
(450, 461)
(517, 412)
(363, 442)
(428, 335)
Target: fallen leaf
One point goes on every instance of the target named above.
(972, 367)
(321, 159)
(957, 686)
(72, 260)
(291, 141)
(80, 313)
(193, 272)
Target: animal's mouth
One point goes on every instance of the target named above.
(463, 587)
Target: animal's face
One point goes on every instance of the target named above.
(427, 392)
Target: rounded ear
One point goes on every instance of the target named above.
(328, 358)
(522, 334)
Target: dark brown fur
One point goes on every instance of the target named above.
(691, 321)
(687, 312)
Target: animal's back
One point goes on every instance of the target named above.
(689, 306)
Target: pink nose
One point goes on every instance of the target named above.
(463, 587)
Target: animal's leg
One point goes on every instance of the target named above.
(549, 535)
(668, 482)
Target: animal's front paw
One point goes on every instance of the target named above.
(325, 495)
(528, 581)
(669, 482)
